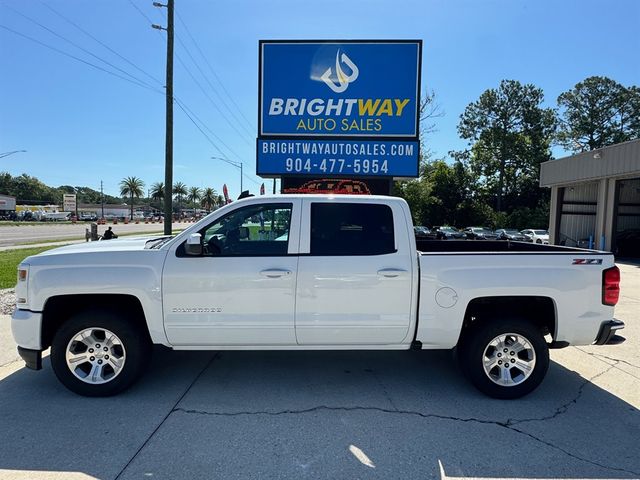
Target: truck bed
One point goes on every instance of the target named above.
(492, 246)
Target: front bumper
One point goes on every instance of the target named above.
(608, 330)
(26, 327)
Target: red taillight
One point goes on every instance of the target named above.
(610, 286)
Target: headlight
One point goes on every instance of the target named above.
(22, 274)
(21, 287)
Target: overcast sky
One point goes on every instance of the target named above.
(81, 125)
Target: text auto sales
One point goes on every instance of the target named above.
(316, 107)
(337, 157)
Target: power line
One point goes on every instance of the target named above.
(213, 88)
(141, 12)
(79, 47)
(204, 92)
(248, 140)
(214, 73)
(186, 28)
(102, 43)
(209, 130)
(61, 52)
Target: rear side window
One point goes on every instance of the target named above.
(351, 229)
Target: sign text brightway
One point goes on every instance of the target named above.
(350, 89)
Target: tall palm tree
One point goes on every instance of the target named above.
(133, 187)
(179, 190)
(209, 198)
(157, 192)
(194, 196)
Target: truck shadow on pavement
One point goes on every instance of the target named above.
(317, 415)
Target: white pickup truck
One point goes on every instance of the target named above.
(311, 272)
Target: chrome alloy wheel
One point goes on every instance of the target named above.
(509, 359)
(95, 355)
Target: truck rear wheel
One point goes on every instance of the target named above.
(98, 354)
(505, 359)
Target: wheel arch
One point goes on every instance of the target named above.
(60, 308)
(539, 310)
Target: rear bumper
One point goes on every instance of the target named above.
(608, 330)
(32, 358)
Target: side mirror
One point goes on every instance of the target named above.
(194, 245)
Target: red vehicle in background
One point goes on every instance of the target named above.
(337, 187)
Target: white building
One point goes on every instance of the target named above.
(595, 198)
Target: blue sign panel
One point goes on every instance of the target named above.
(359, 158)
(339, 89)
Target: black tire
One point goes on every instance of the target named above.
(134, 340)
(471, 355)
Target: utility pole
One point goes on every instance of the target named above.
(168, 152)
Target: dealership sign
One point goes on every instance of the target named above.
(345, 104)
(69, 202)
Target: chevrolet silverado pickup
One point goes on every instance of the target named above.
(311, 272)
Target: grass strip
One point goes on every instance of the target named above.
(9, 261)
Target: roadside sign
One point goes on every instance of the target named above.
(69, 202)
(339, 107)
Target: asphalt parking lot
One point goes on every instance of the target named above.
(329, 415)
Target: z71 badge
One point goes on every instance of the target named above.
(587, 261)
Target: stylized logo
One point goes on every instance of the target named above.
(343, 80)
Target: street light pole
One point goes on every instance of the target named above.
(168, 153)
(235, 164)
(6, 154)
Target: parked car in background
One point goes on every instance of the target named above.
(88, 217)
(447, 233)
(423, 232)
(510, 234)
(536, 236)
(479, 233)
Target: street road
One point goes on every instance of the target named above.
(329, 415)
(16, 235)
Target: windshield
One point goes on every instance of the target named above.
(541, 232)
(449, 229)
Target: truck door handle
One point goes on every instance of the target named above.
(391, 272)
(275, 273)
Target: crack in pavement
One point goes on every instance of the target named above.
(10, 362)
(562, 409)
(599, 355)
(405, 412)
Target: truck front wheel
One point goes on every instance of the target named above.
(98, 353)
(505, 359)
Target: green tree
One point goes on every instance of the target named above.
(132, 187)
(209, 198)
(157, 193)
(179, 190)
(509, 135)
(193, 196)
(598, 112)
